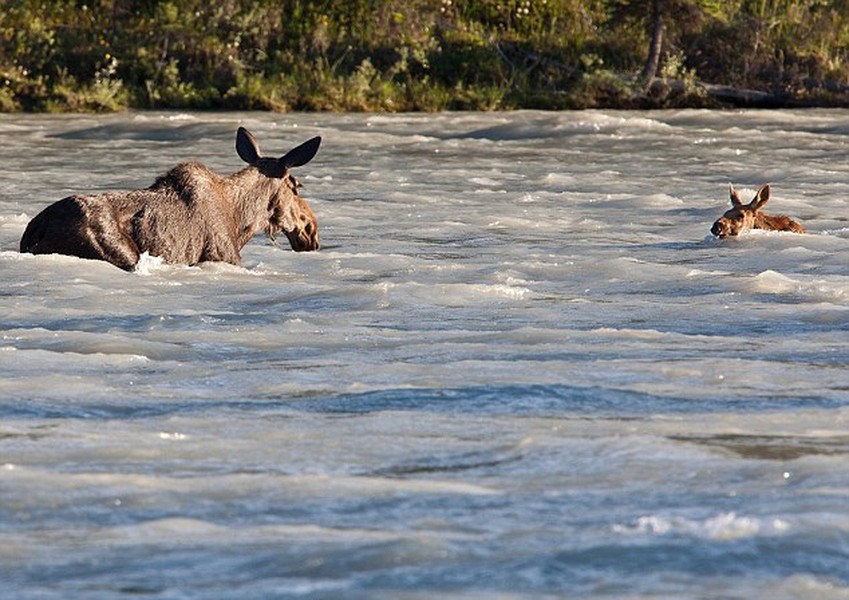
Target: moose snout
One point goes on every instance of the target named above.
(305, 245)
(303, 241)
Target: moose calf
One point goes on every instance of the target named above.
(189, 215)
(749, 216)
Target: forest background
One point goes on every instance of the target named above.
(421, 55)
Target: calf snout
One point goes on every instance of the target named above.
(720, 228)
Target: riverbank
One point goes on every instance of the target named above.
(421, 55)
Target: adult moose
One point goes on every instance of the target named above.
(189, 215)
(749, 216)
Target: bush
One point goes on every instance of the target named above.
(394, 55)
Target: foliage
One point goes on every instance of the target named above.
(426, 55)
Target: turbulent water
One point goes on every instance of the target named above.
(519, 367)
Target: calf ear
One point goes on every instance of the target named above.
(735, 197)
(761, 198)
(247, 146)
(300, 155)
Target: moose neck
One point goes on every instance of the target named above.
(252, 193)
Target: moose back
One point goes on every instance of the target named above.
(189, 215)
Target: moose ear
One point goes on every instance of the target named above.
(761, 198)
(300, 155)
(247, 146)
(735, 197)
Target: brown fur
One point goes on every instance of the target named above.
(749, 216)
(189, 215)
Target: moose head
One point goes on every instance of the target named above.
(749, 216)
(287, 211)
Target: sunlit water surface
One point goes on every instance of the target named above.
(519, 367)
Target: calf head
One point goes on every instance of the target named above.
(740, 216)
(287, 211)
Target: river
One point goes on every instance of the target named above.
(519, 367)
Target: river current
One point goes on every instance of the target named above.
(519, 367)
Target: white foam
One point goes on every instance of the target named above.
(724, 527)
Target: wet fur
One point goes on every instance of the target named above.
(777, 223)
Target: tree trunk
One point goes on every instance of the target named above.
(656, 45)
